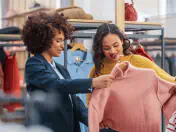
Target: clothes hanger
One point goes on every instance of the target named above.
(76, 46)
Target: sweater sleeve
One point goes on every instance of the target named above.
(38, 77)
(91, 75)
(166, 99)
(142, 62)
(163, 90)
(93, 119)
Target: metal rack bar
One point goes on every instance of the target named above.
(162, 66)
(10, 37)
(159, 49)
(163, 48)
(83, 35)
(139, 36)
(130, 36)
(11, 45)
(140, 27)
(85, 26)
(157, 44)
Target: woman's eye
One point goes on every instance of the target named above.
(106, 48)
(116, 45)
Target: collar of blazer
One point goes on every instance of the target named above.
(59, 67)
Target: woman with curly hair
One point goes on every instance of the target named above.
(43, 36)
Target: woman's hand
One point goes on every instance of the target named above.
(103, 81)
(102, 125)
(123, 67)
(173, 90)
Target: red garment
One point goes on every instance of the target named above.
(142, 52)
(11, 81)
(1, 77)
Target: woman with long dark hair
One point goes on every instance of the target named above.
(111, 46)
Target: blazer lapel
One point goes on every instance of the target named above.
(62, 71)
(40, 56)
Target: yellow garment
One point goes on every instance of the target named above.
(135, 60)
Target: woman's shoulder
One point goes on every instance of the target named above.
(135, 57)
(92, 72)
(34, 60)
(35, 64)
(141, 61)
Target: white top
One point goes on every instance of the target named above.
(60, 75)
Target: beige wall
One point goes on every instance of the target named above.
(21, 6)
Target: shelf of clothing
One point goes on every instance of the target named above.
(167, 41)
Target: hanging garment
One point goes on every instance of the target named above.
(1, 77)
(157, 60)
(173, 65)
(128, 106)
(11, 81)
(77, 69)
(2, 56)
(10, 30)
(142, 52)
(171, 127)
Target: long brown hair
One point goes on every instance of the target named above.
(103, 31)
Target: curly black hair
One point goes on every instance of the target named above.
(39, 30)
(103, 31)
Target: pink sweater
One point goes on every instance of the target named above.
(132, 103)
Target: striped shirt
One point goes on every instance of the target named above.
(171, 127)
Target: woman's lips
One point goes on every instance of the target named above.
(114, 56)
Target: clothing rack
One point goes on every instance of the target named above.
(129, 27)
(11, 45)
(159, 49)
(157, 43)
(84, 25)
(8, 38)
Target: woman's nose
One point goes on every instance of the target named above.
(62, 45)
(112, 51)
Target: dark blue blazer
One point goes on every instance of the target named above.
(40, 76)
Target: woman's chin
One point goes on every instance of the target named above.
(57, 55)
(113, 60)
